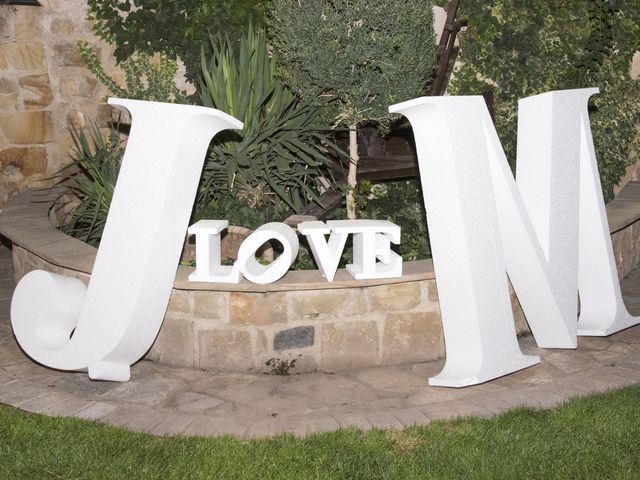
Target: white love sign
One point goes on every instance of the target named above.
(372, 254)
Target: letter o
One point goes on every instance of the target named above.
(251, 269)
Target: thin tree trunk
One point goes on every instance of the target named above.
(353, 168)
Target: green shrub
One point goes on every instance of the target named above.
(146, 78)
(90, 178)
(279, 160)
(521, 48)
(399, 202)
(381, 202)
(354, 58)
(270, 168)
(175, 27)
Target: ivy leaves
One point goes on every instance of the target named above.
(519, 49)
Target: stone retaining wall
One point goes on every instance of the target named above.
(624, 224)
(322, 326)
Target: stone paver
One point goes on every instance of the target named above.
(96, 411)
(67, 408)
(166, 400)
(354, 419)
(174, 423)
(44, 402)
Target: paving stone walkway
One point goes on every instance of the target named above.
(164, 400)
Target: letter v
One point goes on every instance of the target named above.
(326, 253)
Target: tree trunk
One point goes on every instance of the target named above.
(353, 168)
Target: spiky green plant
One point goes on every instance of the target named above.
(279, 159)
(90, 179)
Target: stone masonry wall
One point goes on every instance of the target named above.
(327, 330)
(44, 87)
(626, 248)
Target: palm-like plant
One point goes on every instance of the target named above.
(279, 159)
(90, 179)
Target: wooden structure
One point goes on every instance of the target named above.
(447, 50)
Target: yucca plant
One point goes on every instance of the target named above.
(90, 179)
(279, 159)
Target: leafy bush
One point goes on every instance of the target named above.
(354, 58)
(175, 27)
(520, 48)
(399, 202)
(90, 178)
(275, 165)
(147, 77)
(279, 159)
(226, 206)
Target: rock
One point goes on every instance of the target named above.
(5, 33)
(62, 26)
(26, 55)
(8, 101)
(105, 115)
(8, 86)
(78, 86)
(30, 161)
(297, 337)
(412, 337)
(28, 23)
(323, 304)
(174, 344)
(395, 296)
(256, 308)
(208, 305)
(348, 345)
(27, 127)
(225, 350)
(75, 118)
(41, 89)
(67, 55)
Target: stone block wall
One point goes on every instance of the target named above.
(44, 87)
(626, 248)
(329, 330)
(322, 329)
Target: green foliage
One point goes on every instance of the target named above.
(226, 206)
(91, 178)
(266, 171)
(354, 57)
(523, 48)
(399, 202)
(586, 438)
(175, 27)
(146, 78)
(279, 159)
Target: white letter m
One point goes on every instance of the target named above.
(548, 230)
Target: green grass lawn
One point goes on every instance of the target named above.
(594, 437)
